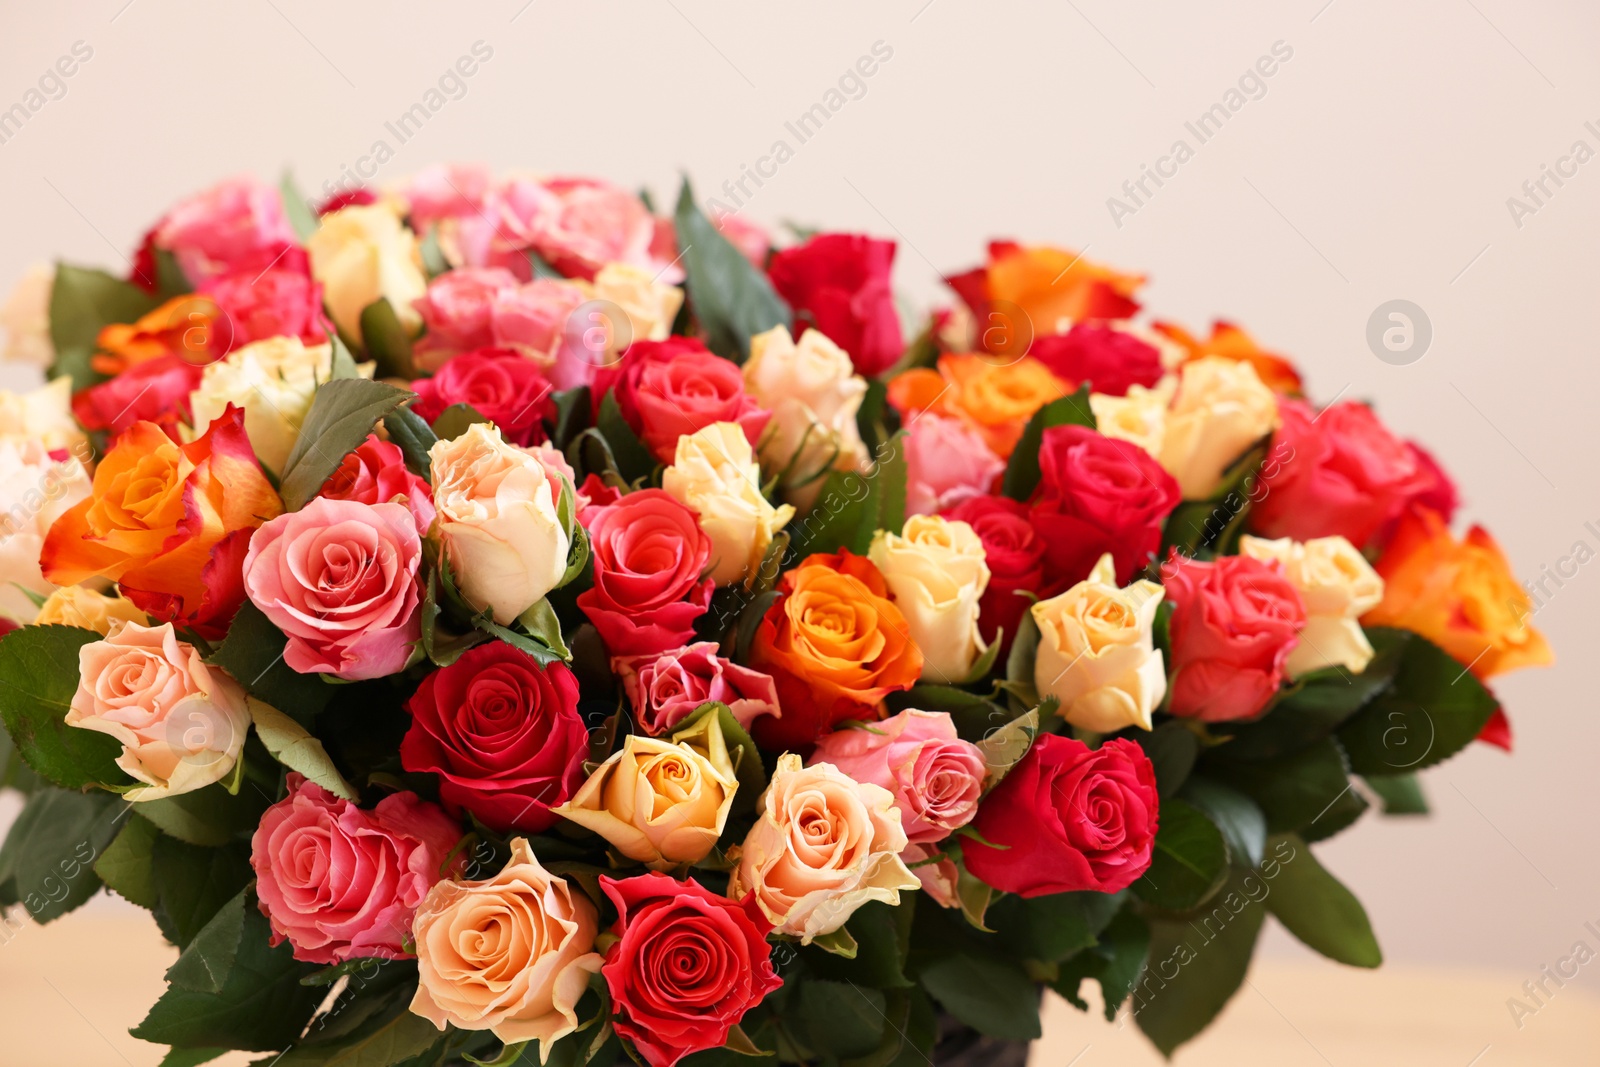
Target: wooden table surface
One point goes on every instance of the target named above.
(70, 990)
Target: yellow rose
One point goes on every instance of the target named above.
(1338, 586)
(813, 392)
(651, 305)
(274, 382)
(362, 253)
(80, 606)
(25, 317)
(937, 572)
(1139, 418)
(1222, 408)
(1096, 652)
(42, 416)
(715, 475)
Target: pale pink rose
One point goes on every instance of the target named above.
(532, 319)
(234, 220)
(665, 689)
(339, 578)
(939, 878)
(935, 777)
(946, 462)
(458, 311)
(340, 883)
(447, 191)
(580, 224)
(182, 723)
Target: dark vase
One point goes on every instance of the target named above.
(962, 1046)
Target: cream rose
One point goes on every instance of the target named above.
(512, 954)
(80, 606)
(651, 305)
(25, 317)
(1140, 417)
(182, 724)
(361, 254)
(715, 474)
(813, 393)
(1338, 586)
(822, 846)
(35, 490)
(274, 381)
(937, 572)
(42, 416)
(1221, 409)
(497, 519)
(1096, 653)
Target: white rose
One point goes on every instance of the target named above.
(35, 490)
(1139, 418)
(1338, 586)
(651, 305)
(274, 381)
(937, 572)
(813, 392)
(1222, 408)
(361, 254)
(42, 416)
(715, 474)
(25, 317)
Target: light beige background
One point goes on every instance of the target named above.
(1377, 165)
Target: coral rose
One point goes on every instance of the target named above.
(457, 310)
(1106, 359)
(1230, 342)
(235, 220)
(666, 389)
(649, 557)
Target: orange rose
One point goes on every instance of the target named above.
(168, 523)
(835, 644)
(995, 398)
(184, 326)
(1460, 595)
(1230, 342)
(1048, 285)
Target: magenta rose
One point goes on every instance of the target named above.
(339, 578)
(339, 882)
(946, 462)
(650, 557)
(1068, 818)
(501, 385)
(236, 220)
(666, 389)
(1234, 623)
(1105, 359)
(502, 733)
(458, 310)
(840, 282)
(376, 473)
(936, 777)
(275, 298)
(665, 689)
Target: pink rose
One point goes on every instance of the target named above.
(946, 462)
(666, 389)
(376, 473)
(501, 385)
(339, 578)
(649, 557)
(936, 778)
(276, 297)
(458, 312)
(581, 224)
(341, 883)
(533, 320)
(225, 225)
(1234, 623)
(446, 191)
(664, 689)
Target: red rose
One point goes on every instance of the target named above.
(1015, 555)
(1341, 472)
(840, 281)
(1234, 623)
(375, 473)
(649, 554)
(1098, 495)
(265, 297)
(1440, 495)
(1109, 360)
(1069, 818)
(666, 389)
(687, 967)
(156, 390)
(502, 733)
(503, 386)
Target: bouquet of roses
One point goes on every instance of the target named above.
(488, 621)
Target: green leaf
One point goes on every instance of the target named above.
(1115, 961)
(633, 459)
(541, 267)
(881, 936)
(204, 965)
(992, 997)
(1339, 816)
(192, 1057)
(386, 340)
(1024, 655)
(82, 302)
(732, 300)
(1051, 928)
(1022, 471)
(1294, 791)
(300, 214)
(207, 817)
(456, 420)
(344, 364)
(414, 437)
(891, 474)
(253, 654)
(193, 883)
(838, 943)
(742, 750)
(293, 746)
(38, 677)
(841, 1018)
(1401, 793)
(572, 407)
(534, 647)
(48, 856)
(342, 414)
(1243, 825)
(124, 866)
(1172, 748)
(1315, 907)
(390, 1043)
(1215, 524)
(1004, 747)
(1190, 861)
(433, 258)
(170, 279)
(973, 715)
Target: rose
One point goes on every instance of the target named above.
(1459, 594)
(835, 645)
(512, 954)
(582, 224)
(1221, 409)
(1230, 342)
(714, 473)
(375, 473)
(649, 555)
(190, 326)
(650, 304)
(935, 570)
(274, 382)
(80, 606)
(1106, 359)
(1041, 290)
(665, 689)
(1344, 474)
(270, 298)
(502, 733)
(840, 281)
(1014, 554)
(235, 220)
(937, 872)
(457, 308)
(659, 803)
(1139, 417)
(181, 723)
(36, 489)
(1234, 623)
(340, 883)
(1098, 495)
(25, 318)
(822, 845)
(1441, 496)
(168, 523)
(497, 520)
(1066, 819)
(501, 385)
(813, 393)
(685, 967)
(1096, 653)
(533, 319)
(935, 777)
(41, 416)
(156, 390)
(946, 462)
(670, 388)
(1337, 586)
(362, 254)
(995, 399)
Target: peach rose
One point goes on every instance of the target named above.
(714, 473)
(935, 568)
(1222, 408)
(813, 392)
(80, 606)
(1338, 586)
(651, 305)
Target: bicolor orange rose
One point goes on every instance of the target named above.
(168, 523)
(189, 326)
(1230, 342)
(835, 644)
(1461, 595)
(995, 398)
(1051, 287)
